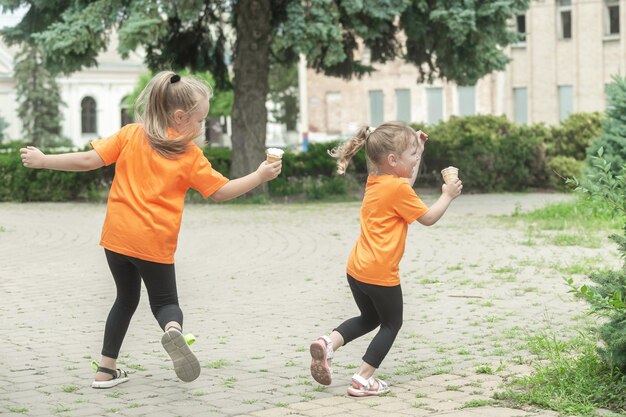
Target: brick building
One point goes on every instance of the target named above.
(571, 49)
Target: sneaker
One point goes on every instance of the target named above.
(186, 364)
(321, 359)
(365, 388)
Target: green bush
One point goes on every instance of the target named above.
(491, 152)
(574, 135)
(310, 175)
(220, 159)
(607, 296)
(562, 167)
(21, 184)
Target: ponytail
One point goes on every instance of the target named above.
(344, 152)
(165, 93)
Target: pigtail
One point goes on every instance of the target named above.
(344, 152)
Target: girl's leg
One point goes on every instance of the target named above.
(336, 339)
(128, 283)
(389, 306)
(160, 280)
(360, 325)
(322, 349)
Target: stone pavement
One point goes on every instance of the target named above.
(257, 284)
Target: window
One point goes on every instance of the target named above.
(611, 15)
(126, 115)
(333, 112)
(520, 105)
(377, 115)
(403, 105)
(566, 101)
(88, 115)
(434, 105)
(521, 27)
(565, 19)
(467, 100)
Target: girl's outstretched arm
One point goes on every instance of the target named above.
(239, 186)
(77, 161)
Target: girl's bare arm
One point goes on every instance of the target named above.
(77, 161)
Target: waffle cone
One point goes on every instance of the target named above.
(450, 174)
(273, 158)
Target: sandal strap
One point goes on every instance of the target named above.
(329, 346)
(362, 381)
(382, 385)
(117, 373)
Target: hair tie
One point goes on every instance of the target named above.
(369, 131)
(175, 78)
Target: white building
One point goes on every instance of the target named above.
(93, 97)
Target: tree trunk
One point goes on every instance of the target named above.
(251, 85)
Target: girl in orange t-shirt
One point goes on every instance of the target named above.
(390, 204)
(156, 163)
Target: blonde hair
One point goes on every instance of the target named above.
(390, 137)
(165, 93)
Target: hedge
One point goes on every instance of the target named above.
(491, 152)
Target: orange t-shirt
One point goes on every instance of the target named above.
(389, 206)
(146, 200)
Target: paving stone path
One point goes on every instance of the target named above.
(257, 284)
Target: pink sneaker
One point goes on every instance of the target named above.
(321, 358)
(362, 387)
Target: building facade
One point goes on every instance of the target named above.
(93, 98)
(571, 50)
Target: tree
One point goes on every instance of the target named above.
(452, 39)
(39, 99)
(613, 137)
(3, 126)
(283, 86)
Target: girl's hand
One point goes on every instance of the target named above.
(32, 157)
(268, 172)
(452, 190)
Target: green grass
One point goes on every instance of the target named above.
(218, 364)
(580, 214)
(230, 382)
(477, 403)
(584, 266)
(571, 379)
(484, 369)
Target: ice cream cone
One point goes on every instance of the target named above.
(273, 155)
(450, 174)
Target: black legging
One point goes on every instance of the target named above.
(379, 306)
(160, 281)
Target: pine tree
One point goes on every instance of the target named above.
(3, 126)
(613, 138)
(39, 98)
